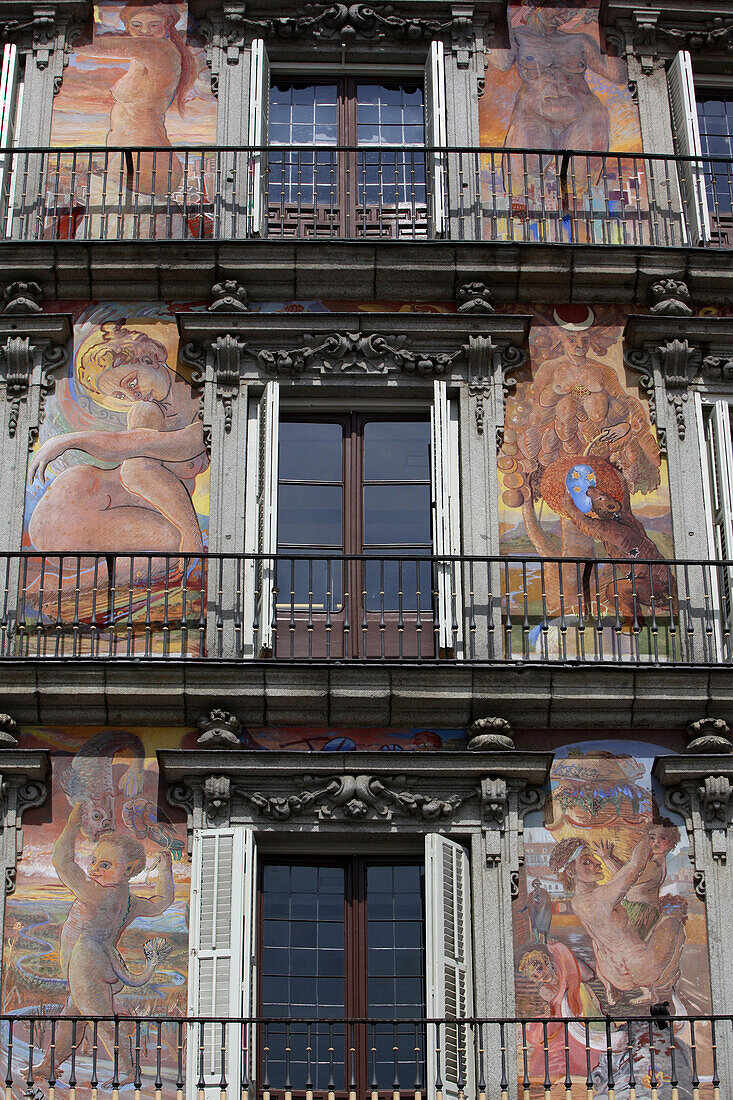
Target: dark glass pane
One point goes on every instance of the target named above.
(382, 933)
(396, 450)
(302, 933)
(397, 515)
(408, 933)
(310, 515)
(310, 451)
(380, 879)
(275, 879)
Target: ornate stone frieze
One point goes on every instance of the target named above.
(354, 797)
(229, 297)
(355, 352)
(709, 735)
(651, 33)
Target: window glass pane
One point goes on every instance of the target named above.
(396, 515)
(396, 450)
(310, 515)
(310, 451)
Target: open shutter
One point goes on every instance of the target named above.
(9, 98)
(445, 535)
(436, 133)
(448, 967)
(718, 481)
(259, 102)
(220, 958)
(688, 144)
(269, 431)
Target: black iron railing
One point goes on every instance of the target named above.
(359, 607)
(365, 193)
(659, 1057)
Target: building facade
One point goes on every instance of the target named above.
(365, 389)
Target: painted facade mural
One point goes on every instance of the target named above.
(119, 468)
(582, 477)
(553, 86)
(608, 923)
(141, 81)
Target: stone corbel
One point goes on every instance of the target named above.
(23, 783)
(504, 805)
(462, 34)
(32, 346)
(699, 786)
(644, 37)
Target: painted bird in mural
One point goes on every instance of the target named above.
(89, 780)
(148, 822)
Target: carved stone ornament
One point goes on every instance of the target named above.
(16, 365)
(8, 728)
(707, 806)
(353, 797)
(671, 298)
(22, 298)
(217, 793)
(709, 735)
(491, 735)
(219, 730)
(717, 34)
(644, 37)
(356, 352)
(229, 297)
(475, 298)
(346, 23)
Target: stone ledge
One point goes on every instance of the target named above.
(446, 696)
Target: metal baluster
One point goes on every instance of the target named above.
(223, 1061)
(653, 1079)
(238, 609)
(158, 1060)
(59, 623)
(9, 1063)
(526, 624)
(291, 622)
(201, 1083)
(31, 1045)
(690, 629)
(714, 1045)
(589, 1090)
(636, 625)
(630, 1055)
(693, 1058)
(72, 1071)
(568, 1082)
(471, 614)
(310, 609)
(418, 616)
(418, 1087)
(129, 633)
(671, 602)
(352, 1063)
(563, 620)
(618, 625)
(137, 1082)
(504, 1083)
(382, 620)
(400, 616)
(346, 581)
(179, 1061)
(545, 629)
(331, 1082)
(329, 624)
(395, 1064)
(609, 1061)
(525, 1063)
(581, 611)
(507, 615)
(220, 607)
(244, 1060)
(288, 1085)
(438, 1063)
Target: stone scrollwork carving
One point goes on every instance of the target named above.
(219, 730)
(229, 297)
(494, 805)
(373, 353)
(227, 351)
(671, 298)
(709, 735)
(352, 797)
(22, 297)
(681, 364)
(19, 794)
(475, 298)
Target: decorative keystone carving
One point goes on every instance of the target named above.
(217, 791)
(681, 364)
(352, 797)
(494, 806)
(717, 794)
(475, 298)
(709, 735)
(22, 298)
(354, 351)
(219, 730)
(671, 298)
(8, 727)
(491, 735)
(227, 352)
(229, 297)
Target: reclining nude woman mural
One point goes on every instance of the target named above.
(121, 466)
(627, 931)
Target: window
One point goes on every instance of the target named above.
(372, 176)
(355, 937)
(342, 939)
(362, 510)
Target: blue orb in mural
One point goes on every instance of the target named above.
(340, 744)
(577, 482)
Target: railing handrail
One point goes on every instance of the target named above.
(612, 154)
(367, 1020)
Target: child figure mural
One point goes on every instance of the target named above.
(89, 955)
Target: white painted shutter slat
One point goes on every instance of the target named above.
(222, 892)
(9, 100)
(259, 102)
(269, 431)
(448, 965)
(436, 132)
(445, 540)
(687, 142)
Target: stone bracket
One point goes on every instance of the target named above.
(24, 783)
(700, 788)
(32, 346)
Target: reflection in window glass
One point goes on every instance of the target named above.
(715, 119)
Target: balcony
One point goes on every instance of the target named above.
(660, 1057)
(321, 608)
(365, 194)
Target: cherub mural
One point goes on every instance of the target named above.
(579, 442)
(628, 930)
(97, 925)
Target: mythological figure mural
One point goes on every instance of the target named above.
(141, 81)
(98, 924)
(608, 884)
(581, 476)
(119, 468)
(552, 85)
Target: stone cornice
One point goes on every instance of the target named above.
(671, 771)
(339, 345)
(657, 29)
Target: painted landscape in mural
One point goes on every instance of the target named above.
(119, 469)
(553, 86)
(582, 477)
(141, 81)
(607, 922)
(98, 923)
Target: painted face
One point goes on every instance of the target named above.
(578, 480)
(587, 867)
(96, 820)
(145, 379)
(661, 843)
(107, 867)
(577, 344)
(147, 25)
(541, 971)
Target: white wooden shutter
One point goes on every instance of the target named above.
(269, 432)
(259, 103)
(687, 142)
(436, 133)
(9, 99)
(445, 526)
(448, 966)
(220, 955)
(717, 463)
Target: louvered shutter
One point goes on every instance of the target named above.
(9, 98)
(269, 431)
(220, 958)
(445, 533)
(436, 131)
(448, 967)
(688, 144)
(259, 102)
(718, 456)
